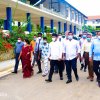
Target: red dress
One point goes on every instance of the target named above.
(26, 62)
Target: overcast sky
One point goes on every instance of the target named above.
(87, 7)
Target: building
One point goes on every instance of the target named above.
(93, 21)
(53, 13)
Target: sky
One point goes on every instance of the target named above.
(87, 7)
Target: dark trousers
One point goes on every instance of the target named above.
(96, 68)
(16, 62)
(38, 60)
(71, 64)
(62, 64)
(89, 64)
(54, 63)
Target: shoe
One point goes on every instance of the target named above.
(39, 72)
(88, 77)
(69, 81)
(91, 79)
(44, 75)
(61, 78)
(56, 72)
(77, 78)
(14, 72)
(47, 80)
(84, 70)
(81, 68)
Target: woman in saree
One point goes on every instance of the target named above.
(26, 56)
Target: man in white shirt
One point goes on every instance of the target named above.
(85, 52)
(71, 53)
(82, 41)
(55, 56)
(37, 51)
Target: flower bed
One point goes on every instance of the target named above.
(6, 55)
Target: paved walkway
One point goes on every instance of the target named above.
(14, 87)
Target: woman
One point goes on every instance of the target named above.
(26, 56)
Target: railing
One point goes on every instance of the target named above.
(50, 11)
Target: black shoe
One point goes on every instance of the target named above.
(14, 72)
(77, 78)
(81, 68)
(99, 84)
(61, 78)
(69, 81)
(84, 70)
(56, 72)
(47, 80)
(39, 72)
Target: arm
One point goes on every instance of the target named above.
(78, 49)
(91, 52)
(20, 55)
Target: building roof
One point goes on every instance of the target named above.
(93, 17)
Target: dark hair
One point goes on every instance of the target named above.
(44, 38)
(70, 32)
(54, 34)
(40, 33)
(27, 41)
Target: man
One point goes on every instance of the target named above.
(33, 44)
(39, 42)
(81, 42)
(95, 55)
(44, 54)
(55, 56)
(18, 48)
(85, 52)
(71, 53)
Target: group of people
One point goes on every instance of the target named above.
(62, 53)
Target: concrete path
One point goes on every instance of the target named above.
(14, 87)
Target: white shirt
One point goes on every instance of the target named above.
(71, 49)
(82, 41)
(55, 50)
(86, 47)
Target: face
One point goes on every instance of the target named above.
(54, 38)
(25, 42)
(34, 38)
(98, 33)
(45, 41)
(19, 40)
(70, 36)
(66, 34)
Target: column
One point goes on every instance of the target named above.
(5, 24)
(75, 29)
(9, 18)
(42, 24)
(52, 26)
(65, 27)
(19, 24)
(29, 27)
(70, 27)
(59, 27)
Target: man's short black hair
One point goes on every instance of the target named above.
(54, 34)
(44, 38)
(40, 33)
(70, 32)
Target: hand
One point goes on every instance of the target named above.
(59, 59)
(81, 58)
(38, 57)
(90, 59)
(64, 58)
(31, 59)
(18, 58)
(49, 58)
(77, 56)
